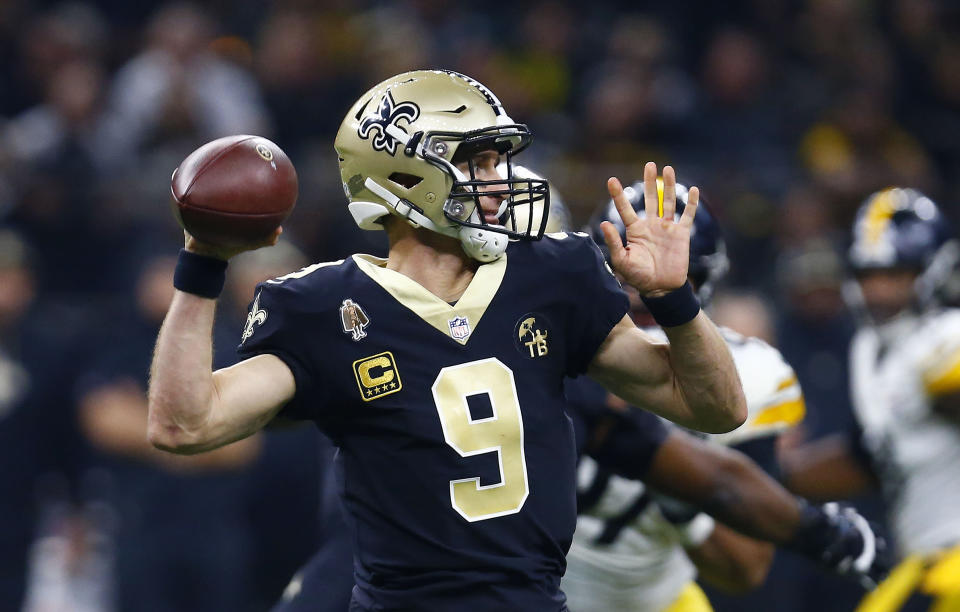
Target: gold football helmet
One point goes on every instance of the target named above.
(399, 147)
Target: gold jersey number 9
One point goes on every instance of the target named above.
(501, 433)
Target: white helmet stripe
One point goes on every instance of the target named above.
(492, 99)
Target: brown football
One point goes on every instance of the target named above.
(234, 191)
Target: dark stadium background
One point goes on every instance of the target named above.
(786, 113)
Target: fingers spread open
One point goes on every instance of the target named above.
(651, 199)
(669, 192)
(624, 207)
(690, 211)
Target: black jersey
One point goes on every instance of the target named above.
(456, 458)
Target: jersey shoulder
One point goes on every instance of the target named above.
(281, 305)
(309, 286)
(571, 253)
(773, 393)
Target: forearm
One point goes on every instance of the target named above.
(114, 418)
(181, 376)
(732, 562)
(705, 375)
(747, 499)
(694, 384)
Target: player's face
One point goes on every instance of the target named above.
(886, 293)
(485, 169)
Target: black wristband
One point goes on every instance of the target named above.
(676, 308)
(199, 274)
(814, 531)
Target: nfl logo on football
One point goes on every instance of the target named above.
(459, 328)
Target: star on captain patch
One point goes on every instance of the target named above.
(256, 316)
(459, 328)
(353, 319)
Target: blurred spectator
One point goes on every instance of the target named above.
(182, 540)
(70, 32)
(178, 87)
(37, 444)
(814, 329)
(745, 313)
(300, 60)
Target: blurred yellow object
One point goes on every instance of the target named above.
(692, 599)
(944, 377)
(943, 579)
(825, 149)
(897, 588)
(788, 413)
(937, 576)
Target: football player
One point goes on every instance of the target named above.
(905, 386)
(617, 446)
(438, 371)
(641, 564)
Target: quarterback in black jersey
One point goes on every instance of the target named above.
(438, 371)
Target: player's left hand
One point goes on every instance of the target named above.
(657, 253)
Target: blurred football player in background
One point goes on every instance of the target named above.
(630, 543)
(457, 471)
(905, 385)
(34, 407)
(181, 525)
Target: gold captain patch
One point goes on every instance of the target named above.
(377, 376)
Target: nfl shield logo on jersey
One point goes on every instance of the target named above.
(459, 328)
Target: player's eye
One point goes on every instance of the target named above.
(488, 161)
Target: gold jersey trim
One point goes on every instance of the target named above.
(472, 304)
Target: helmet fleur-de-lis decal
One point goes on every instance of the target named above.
(388, 113)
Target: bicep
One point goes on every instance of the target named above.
(633, 365)
(247, 396)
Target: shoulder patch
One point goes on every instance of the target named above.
(353, 319)
(256, 316)
(530, 335)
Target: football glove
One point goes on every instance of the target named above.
(842, 540)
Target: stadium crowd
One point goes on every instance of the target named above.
(786, 113)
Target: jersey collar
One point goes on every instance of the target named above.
(443, 317)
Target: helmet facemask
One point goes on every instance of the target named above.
(463, 206)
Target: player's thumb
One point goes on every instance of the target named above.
(614, 243)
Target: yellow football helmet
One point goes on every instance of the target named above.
(399, 147)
